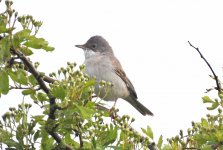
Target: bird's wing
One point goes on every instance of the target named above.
(120, 72)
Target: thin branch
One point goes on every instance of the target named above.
(32, 70)
(28, 64)
(192, 148)
(44, 77)
(22, 88)
(41, 79)
(215, 76)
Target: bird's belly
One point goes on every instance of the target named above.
(118, 88)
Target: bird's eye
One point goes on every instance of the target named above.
(93, 45)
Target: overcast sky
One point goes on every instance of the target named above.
(150, 40)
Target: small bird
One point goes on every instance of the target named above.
(101, 63)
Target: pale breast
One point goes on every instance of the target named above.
(101, 68)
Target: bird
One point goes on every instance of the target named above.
(100, 62)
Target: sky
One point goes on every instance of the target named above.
(150, 40)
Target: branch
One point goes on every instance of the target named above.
(32, 70)
(41, 79)
(43, 86)
(44, 77)
(215, 76)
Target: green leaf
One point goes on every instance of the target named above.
(32, 80)
(4, 82)
(36, 135)
(20, 134)
(71, 142)
(42, 96)
(33, 96)
(206, 99)
(204, 122)
(160, 142)
(219, 135)
(46, 142)
(48, 48)
(3, 23)
(85, 112)
(220, 94)
(11, 143)
(90, 83)
(19, 76)
(20, 37)
(214, 105)
(200, 138)
(39, 119)
(26, 51)
(110, 136)
(4, 49)
(59, 92)
(28, 91)
(148, 132)
(36, 43)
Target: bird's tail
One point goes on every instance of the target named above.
(140, 107)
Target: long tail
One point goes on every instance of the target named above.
(140, 107)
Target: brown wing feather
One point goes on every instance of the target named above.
(122, 75)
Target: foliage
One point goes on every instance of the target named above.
(206, 134)
(70, 118)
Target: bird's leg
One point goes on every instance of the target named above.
(115, 103)
(113, 111)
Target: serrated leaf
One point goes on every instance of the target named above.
(19, 76)
(85, 112)
(148, 132)
(46, 142)
(59, 92)
(20, 37)
(28, 91)
(3, 23)
(20, 134)
(33, 96)
(160, 142)
(71, 142)
(207, 99)
(89, 83)
(32, 80)
(26, 51)
(42, 96)
(11, 143)
(204, 122)
(4, 49)
(48, 48)
(214, 105)
(110, 137)
(36, 43)
(39, 119)
(4, 82)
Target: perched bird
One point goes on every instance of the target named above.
(101, 62)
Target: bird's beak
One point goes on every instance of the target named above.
(81, 46)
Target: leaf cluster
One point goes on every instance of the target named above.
(70, 118)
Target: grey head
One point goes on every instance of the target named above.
(96, 44)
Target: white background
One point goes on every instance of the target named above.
(150, 40)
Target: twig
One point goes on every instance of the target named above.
(43, 86)
(215, 76)
(192, 148)
(53, 107)
(44, 77)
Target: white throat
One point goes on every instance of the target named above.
(89, 53)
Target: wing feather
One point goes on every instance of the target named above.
(120, 72)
